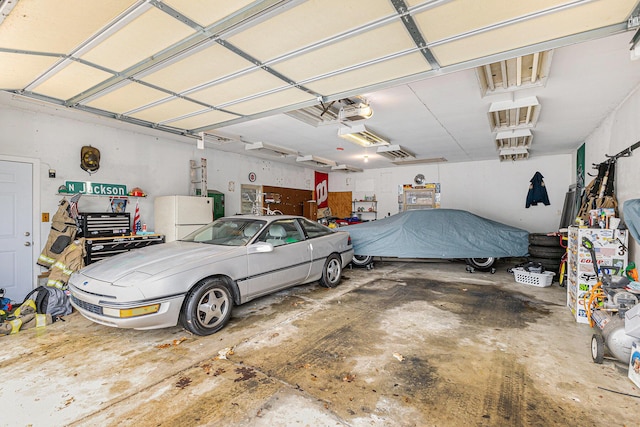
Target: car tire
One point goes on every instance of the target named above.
(361, 260)
(546, 251)
(482, 264)
(207, 307)
(331, 272)
(548, 264)
(541, 239)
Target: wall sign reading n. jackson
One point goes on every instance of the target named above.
(88, 187)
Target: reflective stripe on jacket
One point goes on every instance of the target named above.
(70, 260)
(63, 231)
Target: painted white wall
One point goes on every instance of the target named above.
(158, 164)
(492, 189)
(618, 131)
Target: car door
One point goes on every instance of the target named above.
(287, 265)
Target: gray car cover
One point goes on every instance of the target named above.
(438, 233)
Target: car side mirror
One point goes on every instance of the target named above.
(259, 247)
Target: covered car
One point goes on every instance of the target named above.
(196, 281)
(437, 233)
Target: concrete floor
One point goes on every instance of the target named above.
(405, 344)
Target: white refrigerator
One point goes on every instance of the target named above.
(177, 216)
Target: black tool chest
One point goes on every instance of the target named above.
(103, 247)
(107, 234)
(104, 224)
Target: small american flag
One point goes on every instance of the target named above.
(137, 224)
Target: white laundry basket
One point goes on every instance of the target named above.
(541, 280)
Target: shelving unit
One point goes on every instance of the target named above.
(419, 198)
(611, 250)
(372, 209)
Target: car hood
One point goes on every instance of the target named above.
(155, 259)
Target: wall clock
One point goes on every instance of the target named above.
(252, 177)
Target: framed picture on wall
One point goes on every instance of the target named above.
(118, 204)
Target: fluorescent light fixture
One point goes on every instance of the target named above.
(518, 153)
(420, 161)
(315, 161)
(514, 138)
(346, 168)
(519, 113)
(362, 136)
(273, 150)
(395, 152)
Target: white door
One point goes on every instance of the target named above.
(16, 234)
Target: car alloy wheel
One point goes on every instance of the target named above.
(207, 307)
(482, 264)
(361, 260)
(332, 272)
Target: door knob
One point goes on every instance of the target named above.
(26, 233)
(27, 243)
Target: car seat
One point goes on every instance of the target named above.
(276, 235)
(250, 230)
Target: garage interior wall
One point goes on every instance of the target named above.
(618, 131)
(159, 164)
(493, 189)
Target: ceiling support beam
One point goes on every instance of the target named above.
(415, 33)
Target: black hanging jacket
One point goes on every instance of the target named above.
(537, 191)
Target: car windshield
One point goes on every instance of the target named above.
(232, 231)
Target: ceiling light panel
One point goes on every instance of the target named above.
(127, 98)
(419, 161)
(71, 80)
(197, 69)
(237, 88)
(363, 47)
(209, 118)
(361, 135)
(396, 68)
(273, 101)
(310, 21)
(272, 150)
(19, 70)
(35, 25)
(521, 113)
(142, 38)
(207, 12)
(518, 138)
(395, 152)
(315, 161)
(515, 73)
(346, 168)
(574, 20)
(164, 111)
(513, 154)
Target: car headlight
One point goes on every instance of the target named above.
(131, 312)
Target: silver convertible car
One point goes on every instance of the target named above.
(196, 281)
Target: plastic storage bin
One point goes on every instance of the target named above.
(541, 280)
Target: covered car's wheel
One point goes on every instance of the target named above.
(332, 272)
(361, 260)
(597, 348)
(207, 308)
(482, 264)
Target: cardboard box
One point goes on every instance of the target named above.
(634, 363)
